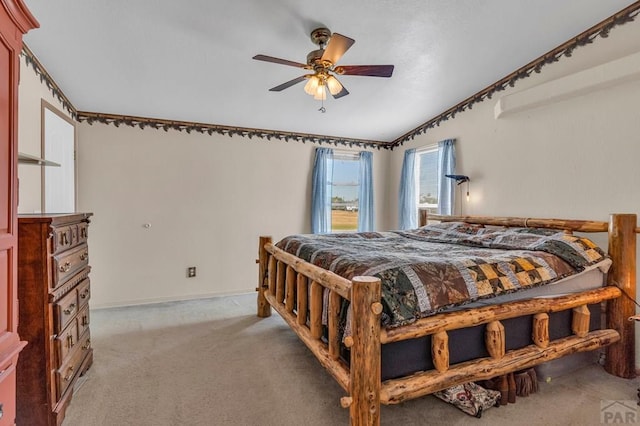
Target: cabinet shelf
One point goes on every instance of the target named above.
(36, 161)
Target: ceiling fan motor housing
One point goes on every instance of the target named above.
(320, 37)
(314, 57)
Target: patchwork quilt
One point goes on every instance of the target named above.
(427, 270)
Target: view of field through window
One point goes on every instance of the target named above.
(344, 195)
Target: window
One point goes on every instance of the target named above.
(422, 182)
(427, 175)
(344, 192)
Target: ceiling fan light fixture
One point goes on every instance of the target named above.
(312, 85)
(333, 85)
(320, 94)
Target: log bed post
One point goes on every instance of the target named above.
(364, 409)
(264, 308)
(620, 356)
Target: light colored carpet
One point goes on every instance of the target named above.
(213, 362)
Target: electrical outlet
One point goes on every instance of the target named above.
(191, 271)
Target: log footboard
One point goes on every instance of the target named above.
(296, 290)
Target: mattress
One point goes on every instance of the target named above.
(591, 278)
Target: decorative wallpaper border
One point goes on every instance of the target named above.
(188, 126)
(46, 78)
(601, 29)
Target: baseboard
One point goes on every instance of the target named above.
(156, 300)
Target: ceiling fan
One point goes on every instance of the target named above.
(323, 64)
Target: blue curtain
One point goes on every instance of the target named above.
(321, 191)
(365, 194)
(446, 166)
(408, 211)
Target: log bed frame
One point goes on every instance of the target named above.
(283, 284)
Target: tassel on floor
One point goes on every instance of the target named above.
(512, 385)
(526, 382)
(534, 380)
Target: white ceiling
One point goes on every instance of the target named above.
(191, 60)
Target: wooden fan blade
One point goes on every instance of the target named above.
(334, 84)
(288, 84)
(343, 92)
(279, 61)
(366, 70)
(337, 46)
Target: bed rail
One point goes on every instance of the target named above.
(299, 299)
(489, 314)
(420, 384)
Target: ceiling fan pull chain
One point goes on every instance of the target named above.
(322, 109)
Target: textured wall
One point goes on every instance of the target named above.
(207, 198)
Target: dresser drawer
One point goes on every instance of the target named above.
(65, 309)
(64, 237)
(83, 320)
(84, 292)
(66, 374)
(83, 232)
(69, 236)
(65, 342)
(66, 264)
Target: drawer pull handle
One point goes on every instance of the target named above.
(65, 267)
(83, 232)
(84, 256)
(70, 309)
(69, 374)
(86, 345)
(85, 320)
(70, 341)
(84, 294)
(63, 239)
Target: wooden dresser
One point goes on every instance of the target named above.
(53, 294)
